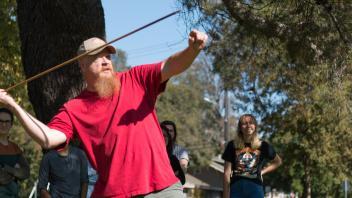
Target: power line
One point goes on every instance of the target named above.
(164, 44)
(155, 50)
(150, 53)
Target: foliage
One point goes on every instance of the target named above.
(289, 62)
(10, 59)
(11, 73)
(119, 60)
(198, 121)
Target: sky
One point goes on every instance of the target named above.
(152, 44)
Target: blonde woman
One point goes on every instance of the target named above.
(244, 161)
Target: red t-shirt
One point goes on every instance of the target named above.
(121, 135)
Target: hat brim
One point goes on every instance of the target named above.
(111, 49)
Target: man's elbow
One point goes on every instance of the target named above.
(47, 145)
(165, 71)
(55, 139)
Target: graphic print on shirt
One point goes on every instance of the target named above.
(247, 161)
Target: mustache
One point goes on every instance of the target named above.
(107, 69)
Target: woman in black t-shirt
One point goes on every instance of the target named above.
(244, 160)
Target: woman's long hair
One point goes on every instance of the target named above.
(239, 137)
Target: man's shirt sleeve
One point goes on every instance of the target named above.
(62, 122)
(149, 77)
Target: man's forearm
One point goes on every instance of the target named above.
(179, 62)
(41, 133)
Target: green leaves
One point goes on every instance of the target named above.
(197, 121)
(11, 72)
(291, 62)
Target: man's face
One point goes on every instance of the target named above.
(97, 66)
(99, 74)
(5, 123)
(171, 131)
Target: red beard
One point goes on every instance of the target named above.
(107, 86)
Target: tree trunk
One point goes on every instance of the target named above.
(307, 183)
(50, 33)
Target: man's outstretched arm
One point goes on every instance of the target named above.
(45, 136)
(180, 61)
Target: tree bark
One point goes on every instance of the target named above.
(307, 181)
(50, 33)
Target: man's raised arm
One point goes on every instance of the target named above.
(46, 137)
(180, 61)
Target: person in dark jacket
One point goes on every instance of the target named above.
(176, 167)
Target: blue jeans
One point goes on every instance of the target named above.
(246, 189)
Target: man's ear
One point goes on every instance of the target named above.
(81, 66)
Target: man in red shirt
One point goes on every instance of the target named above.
(115, 119)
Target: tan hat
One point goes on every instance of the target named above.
(93, 43)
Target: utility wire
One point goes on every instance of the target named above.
(156, 46)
